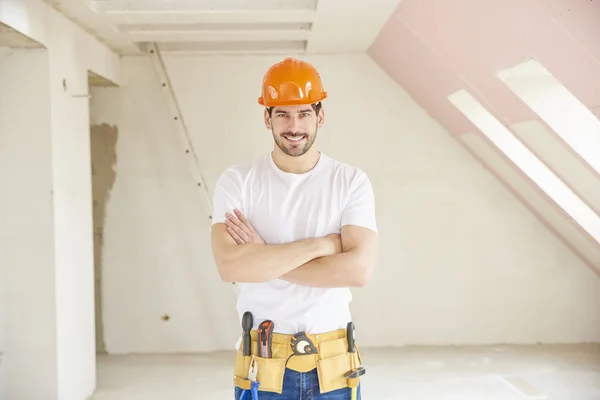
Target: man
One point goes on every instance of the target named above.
(295, 230)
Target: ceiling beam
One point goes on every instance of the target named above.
(208, 17)
(80, 13)
(217, 36)
(245, 47)
(201, 5)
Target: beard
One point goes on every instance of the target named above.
(294, 149)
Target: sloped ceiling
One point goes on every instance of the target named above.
(438, 49)
(465, 43)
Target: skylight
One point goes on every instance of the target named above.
(558, 107)
(537, 171)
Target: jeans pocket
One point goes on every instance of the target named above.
(339, 394)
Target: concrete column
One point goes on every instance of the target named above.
(27, 230)
(73, 216)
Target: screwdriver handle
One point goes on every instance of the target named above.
(247, 323)
(350, 337)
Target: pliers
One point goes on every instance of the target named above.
(254, 385)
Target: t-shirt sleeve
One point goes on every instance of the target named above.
(227, 195)
(360, 209)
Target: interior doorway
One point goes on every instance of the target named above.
(103, 143)
(103, 154)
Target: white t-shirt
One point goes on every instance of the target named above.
(286, 207)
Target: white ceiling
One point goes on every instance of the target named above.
(231, 26)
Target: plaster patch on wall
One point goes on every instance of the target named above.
(104, 159)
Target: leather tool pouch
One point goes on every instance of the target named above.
(241, 370)
(269, 375)
(334, 363)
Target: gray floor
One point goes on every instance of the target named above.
(423, 373)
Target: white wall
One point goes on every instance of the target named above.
(53, 193)
(461, 260)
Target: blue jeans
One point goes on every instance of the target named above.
(302, 386)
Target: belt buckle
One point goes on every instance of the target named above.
(303, 344)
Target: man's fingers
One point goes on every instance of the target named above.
(239, 231)
(236, 222)
(235, 236)
(240, 215)
(243, 219)
(234, 219)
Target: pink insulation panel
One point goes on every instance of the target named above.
(433, 48)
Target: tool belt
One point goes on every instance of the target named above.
(330, 357)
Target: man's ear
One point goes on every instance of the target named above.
(267, 119)
(321, 118)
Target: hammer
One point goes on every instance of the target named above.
(354, 373)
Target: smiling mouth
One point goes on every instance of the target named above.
(294, 139)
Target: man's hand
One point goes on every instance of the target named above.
(240, 229)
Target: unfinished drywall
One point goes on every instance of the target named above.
(50, 345)
(103, 149)
(461, 260)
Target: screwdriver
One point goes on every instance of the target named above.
(247, 323)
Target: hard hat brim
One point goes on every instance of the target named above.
(289, 102)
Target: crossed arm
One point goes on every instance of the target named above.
(344, 260)
(352, 267)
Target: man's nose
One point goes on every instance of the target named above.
(294, 123)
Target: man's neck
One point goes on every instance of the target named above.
(296, 165)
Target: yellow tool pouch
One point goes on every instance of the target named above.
(270, 371)
(332, 361)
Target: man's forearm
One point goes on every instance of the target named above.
(260, 263)
(338, 270)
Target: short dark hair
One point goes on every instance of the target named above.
(315, 106)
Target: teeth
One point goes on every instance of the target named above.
(294, 139)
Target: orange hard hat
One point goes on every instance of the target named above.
(291, 82)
